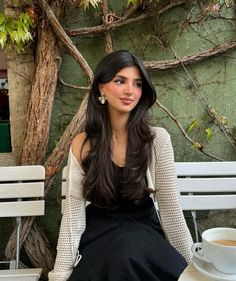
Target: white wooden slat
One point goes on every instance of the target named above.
(20, 173)
(227, 168)
(22, 208)
(63, 201)
(28, 274)
(64, 171)
(208, 202)
(63, 188)
(207, 184)
(22, 190)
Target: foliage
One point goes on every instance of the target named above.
(85, 3)
(193, 125)
(15, 33)
(209, 133)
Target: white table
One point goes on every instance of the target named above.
(191, 274)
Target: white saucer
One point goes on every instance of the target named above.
(209, 270)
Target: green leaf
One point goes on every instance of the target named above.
(2, 18)
(26, 20)
(85, 3)
(15, 33)
(132, 2)
(209, 133)
(3, 39)
(11, 25)
(193, 125)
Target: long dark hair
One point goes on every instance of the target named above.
(98, 181)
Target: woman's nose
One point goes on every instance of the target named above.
(128, 89)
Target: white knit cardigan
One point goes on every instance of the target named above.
(161, 176)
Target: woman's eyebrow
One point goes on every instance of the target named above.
(123, 77)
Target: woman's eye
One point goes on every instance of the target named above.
(119, 81)
(138, 84)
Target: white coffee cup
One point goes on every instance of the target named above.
(222, 256)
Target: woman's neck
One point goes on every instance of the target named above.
(119, 125)
(119, 138)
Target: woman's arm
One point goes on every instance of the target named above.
(168, 198)
(73, 220)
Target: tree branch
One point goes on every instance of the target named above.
(60, 152)
(107, 16)
(194, 143)
(170, 64)
(71, 48)
(121, 21)
(72, 86)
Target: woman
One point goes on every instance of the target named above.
(121, 165)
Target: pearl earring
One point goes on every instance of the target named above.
(102, 99)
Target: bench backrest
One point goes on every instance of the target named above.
(203, 186)
(21, 195)
(22, 191)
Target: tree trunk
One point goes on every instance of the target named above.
(38, 250)
(48, 60)
(38, 122)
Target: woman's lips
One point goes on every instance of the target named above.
(126, 101)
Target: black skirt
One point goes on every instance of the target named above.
(126, 245)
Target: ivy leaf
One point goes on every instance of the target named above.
(3, 38)
(209, 133)
(10, 25)
(2, 18)
(132, 2)
(15, 36)
(26, 21)
(85, 3)
(193, 125)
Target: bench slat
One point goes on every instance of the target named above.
(208, 202)
(207, 184)
(22, 208)
(64, 188)
(21, 173)
(22, 190)
(64, 171)
(227, 168)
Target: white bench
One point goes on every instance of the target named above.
(21, 195)
(203, 186)
(206, 186)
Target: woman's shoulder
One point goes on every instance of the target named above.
(161, 141)
(80, 146)
(159, 133)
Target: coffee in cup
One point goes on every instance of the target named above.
(218, 247)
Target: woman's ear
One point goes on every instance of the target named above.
(100, 87)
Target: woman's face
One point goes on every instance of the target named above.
(124, 91)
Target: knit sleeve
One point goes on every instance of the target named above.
(72, 224)
(168, 198)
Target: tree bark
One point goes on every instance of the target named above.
(71, 48)
(209, 53)
(38, 250)
(48, 60)
(38, 122)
